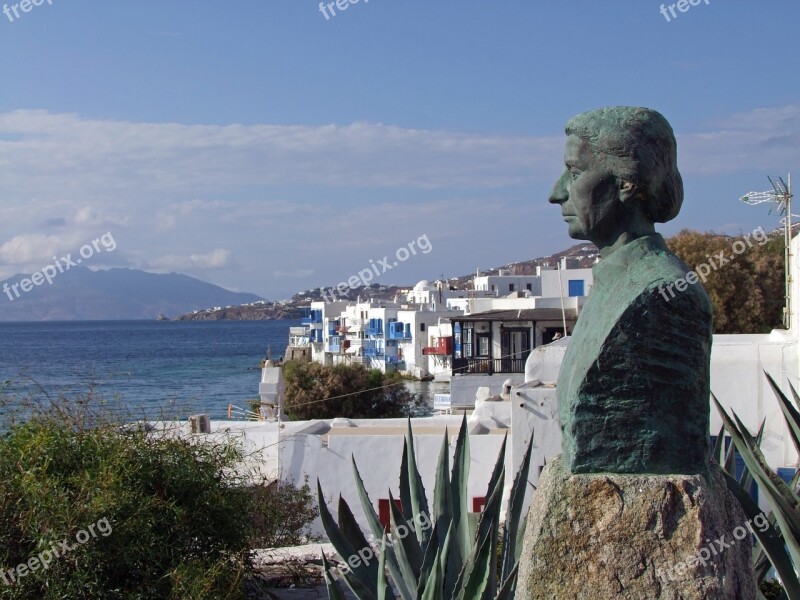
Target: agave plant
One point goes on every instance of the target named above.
(779, 545)
(449, 555)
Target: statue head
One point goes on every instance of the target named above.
(621, 175)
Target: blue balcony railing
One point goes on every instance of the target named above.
(399, 331)
(375, 327)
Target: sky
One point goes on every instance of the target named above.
(269, 146)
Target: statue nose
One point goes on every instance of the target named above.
(559, 195)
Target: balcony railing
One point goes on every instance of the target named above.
(399, 335)
(489, 366)
(442, 347)
(399, 331)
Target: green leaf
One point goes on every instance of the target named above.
(367, 570)
(384, 591)
(783, 500)
(459, 491)
(718, 453)
(746, 479)
(790, 413)
(432, 554)
(360, 585)
(476, 575)
(419, 501)
(509, 585)
(334, 589)
(516, 501)
(434, 581)
(769, 540)
(405, 546)
(378, 532)
(442, 500)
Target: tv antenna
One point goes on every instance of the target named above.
(780, 197)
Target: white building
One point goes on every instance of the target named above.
(380, 334)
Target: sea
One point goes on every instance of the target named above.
(147, 369)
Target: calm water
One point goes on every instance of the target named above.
(148, 366)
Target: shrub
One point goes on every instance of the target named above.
(180, 517)
(314, 391)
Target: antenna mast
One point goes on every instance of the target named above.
(781, 198)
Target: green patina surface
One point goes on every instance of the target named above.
(633, 389)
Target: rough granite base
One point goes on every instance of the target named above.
(635, 537)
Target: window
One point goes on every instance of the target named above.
(575, 287)
(422, 326)
(510, 287)
(529, 287)
(492, 287)
(483, 345)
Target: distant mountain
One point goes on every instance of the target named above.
(82, 294)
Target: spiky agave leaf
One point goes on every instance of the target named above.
(361, 580)
(514, 526)
(412, 491)
(384, 591)
(458, 491)
(404, 586)
(405, 545)
(332, 585)
(718, 452)
(770, 541)
(790, 413)
(485, 563)
(783, 500)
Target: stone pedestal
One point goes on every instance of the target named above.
(635, 537)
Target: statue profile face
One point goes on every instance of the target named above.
(590, 195)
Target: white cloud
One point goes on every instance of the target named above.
(763, 139)
(288, 199)
(30, 249)
(217, 259)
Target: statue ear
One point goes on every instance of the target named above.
(627, 190)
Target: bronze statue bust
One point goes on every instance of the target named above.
(633, 389)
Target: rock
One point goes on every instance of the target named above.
(635, 537)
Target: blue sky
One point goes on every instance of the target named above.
(265, 148)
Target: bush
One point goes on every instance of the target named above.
(314, 391)
(147, 514)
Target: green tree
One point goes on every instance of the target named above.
(747, 291)
(314, 391)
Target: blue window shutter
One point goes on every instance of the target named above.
(575, 288)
